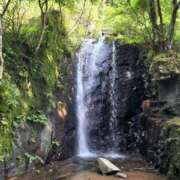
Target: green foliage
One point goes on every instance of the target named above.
(69, 3)
(8, 96)
(127, 22)
(139, 4)
(33, 158)
(174, 121)
(33, 75)
(9, 100)
(36, 71)
(130, 21)
(38, 118)
(170, 157)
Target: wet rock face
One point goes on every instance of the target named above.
(157, 136)
(169, 91)
(159, 129)
(33, 139)
(65, 129)
(98, 102)
(161, 143)
(128, 91)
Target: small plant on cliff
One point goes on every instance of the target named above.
(9, 100)
(9, 96)
(38, 118)
(30, 158)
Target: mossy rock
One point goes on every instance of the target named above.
(165, 65)
(170, 156)
(173, 121)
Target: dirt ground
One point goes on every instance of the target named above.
(80, 169)
(132, 175)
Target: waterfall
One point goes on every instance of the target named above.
(93, 104)
(81, 110)
(83, 149)
(113, 98)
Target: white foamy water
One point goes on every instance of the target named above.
(113, 96)
(81, 108)
(90, 58)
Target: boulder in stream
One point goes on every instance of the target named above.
(106, 167)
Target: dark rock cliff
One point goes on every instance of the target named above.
(129, 90)
(161, 128)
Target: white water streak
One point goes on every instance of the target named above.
(87, 70)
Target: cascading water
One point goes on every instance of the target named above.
(83, 149)
(113, 98)
(96, 76)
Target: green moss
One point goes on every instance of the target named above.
(175, 124)
(38, 118)
(174, 121)
(165, 65)
(9, 101)
(170, 156)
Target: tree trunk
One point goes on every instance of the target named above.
(172, 25)
(161, 37)
(43, 5)
(153, 20)
(1, 52)
(1, 38)
(160, 15)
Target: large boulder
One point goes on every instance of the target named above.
(169, 91)
(33, 139)
(106, 167)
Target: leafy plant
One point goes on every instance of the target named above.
(38, 118)
(8, 95)
(31, 158)
(9, 100)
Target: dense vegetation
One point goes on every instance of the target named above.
(36, 35)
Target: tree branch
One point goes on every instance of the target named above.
(1, 36)
(5, 8)
(78, 20)
(176, 6)
(160, 15)
(1, 51)
(153, 17)
(44, 23)
(143, 22)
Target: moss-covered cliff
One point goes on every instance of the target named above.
(162, 144)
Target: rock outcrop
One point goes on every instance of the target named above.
(106, 167)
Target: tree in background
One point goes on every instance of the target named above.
(162, 37)
(138, 21)
(162, 32)
(4, 8)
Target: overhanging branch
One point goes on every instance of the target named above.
(5, 8)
